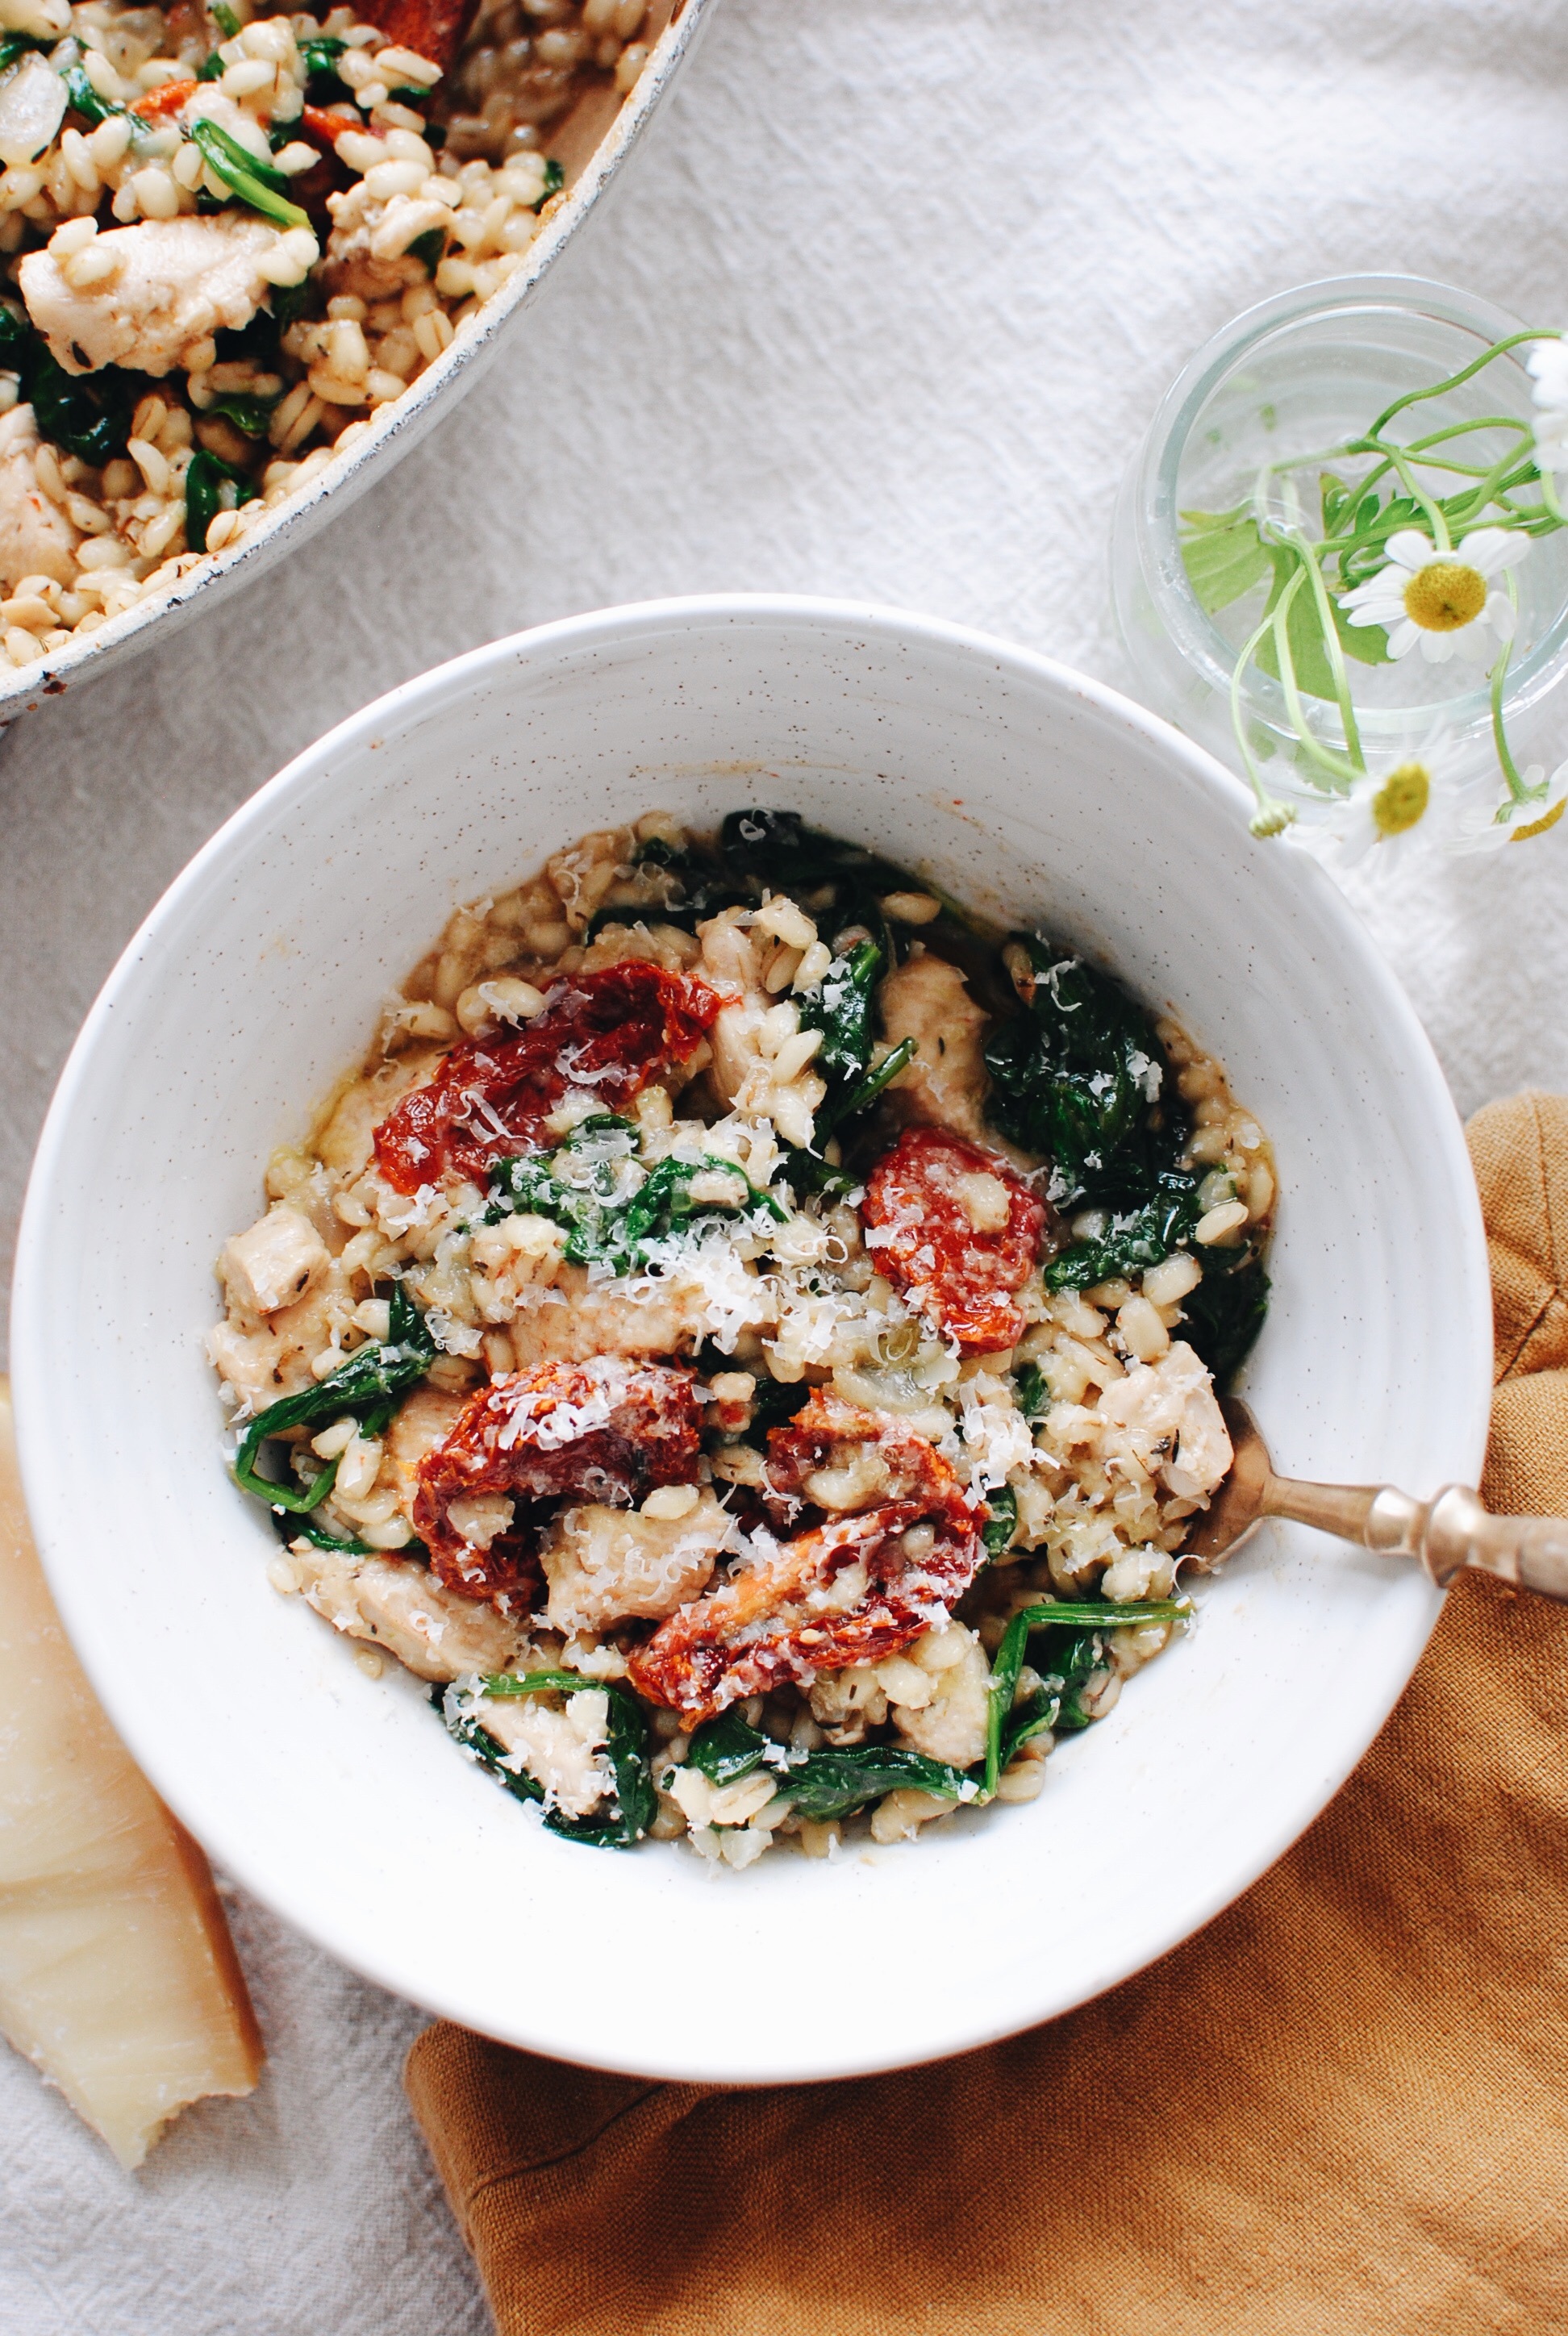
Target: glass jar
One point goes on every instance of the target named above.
(1309, 369)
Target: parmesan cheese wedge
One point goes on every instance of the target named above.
(118, 1976)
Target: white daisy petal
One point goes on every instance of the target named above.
(1357, 839)
(1410, 548)
(1437, 647)
(1493, 549)
(1404, 636)
(1500, 615)
(1548, 365)
(1552, 440)
(1477, 643)
(1381, 601)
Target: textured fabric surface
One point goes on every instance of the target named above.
(1342, 2106)
(890, 294)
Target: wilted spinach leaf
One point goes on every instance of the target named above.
(727, 1749)
(1078, 1075)
(830, 1783)
(1135, 1239)
(613, 1211)
(1225, 1312)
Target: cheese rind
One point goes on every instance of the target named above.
(118, 1976)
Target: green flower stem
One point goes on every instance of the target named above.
(1456, 380)
(1434, 511)
(1272, 816)
(1505, 473)
(1549, 498)
(1335, 655)
(1521, 792)
(1333, 766)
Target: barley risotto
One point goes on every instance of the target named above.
(230, 236)
(748, 1336)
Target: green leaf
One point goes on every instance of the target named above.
(1071, 1075)
(554, 179)
(613, 1211)
(1225, 1312)
(832, 1784)
(224, 17)
(205, 480)
(1002, 1524)
(637, 1802)
(841, 1007)
(88, 414)
(1367, 644)
(727, 1749)
(83, 98)
(1079, 1657)
(369, 1383)
(1135, 1239)
(428, 248)
(1224, 560)
(1304, 631)
(834, 1115)
(1031, 1391)
(249, 414)
(254, 181)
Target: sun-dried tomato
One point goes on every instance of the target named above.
(603, 1035)
(893, 1459)
(939, 1234)
(171, 97)
(850, 1591)
(431, 28)
(606, 1430)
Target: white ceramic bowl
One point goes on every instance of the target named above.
(1033, 794)
(593, 144)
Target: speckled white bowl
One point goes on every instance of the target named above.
(593, 144)
(1033, 794)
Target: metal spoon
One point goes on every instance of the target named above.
(1446, 1535)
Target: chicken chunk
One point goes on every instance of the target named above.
(400, 1607)
(424, 1420)
(604, 1565)
(346, 1138)
(561, 1750)
(36, 538)
(1170, 1410)
(275, 1359)
(177, 281)
(928, 999)
(757, 1043)
(274, 1263)
(672, 1316)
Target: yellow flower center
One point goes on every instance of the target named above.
(1445, 595)
(1401, 803)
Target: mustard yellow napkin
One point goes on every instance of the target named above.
(1342, 2108)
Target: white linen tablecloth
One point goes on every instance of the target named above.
(880, 310)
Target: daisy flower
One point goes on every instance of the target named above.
(1440, 600)
(1548, 364)
(1413, 794)
(1485, 820)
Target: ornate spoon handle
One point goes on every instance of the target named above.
(1447, 1534)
